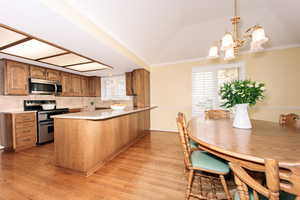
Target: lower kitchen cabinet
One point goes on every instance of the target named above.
(18, 130)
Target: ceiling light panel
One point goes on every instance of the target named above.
(8, 36)
(88, 67)
(33, 49)
(67, 59)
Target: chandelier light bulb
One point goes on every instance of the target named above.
(213, 52)
(227, 41)
(229, 54)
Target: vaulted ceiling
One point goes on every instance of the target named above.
(133, 33)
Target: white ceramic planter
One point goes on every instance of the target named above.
(241, 118)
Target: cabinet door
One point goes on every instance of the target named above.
(85, 91)
(95, 86)
(66, 82)
(53, 75)
(37, 72)
(16, 78)
(76, 85)
(129, 85)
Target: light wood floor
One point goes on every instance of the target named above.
(151, 169)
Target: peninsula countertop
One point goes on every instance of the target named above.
(102, 114)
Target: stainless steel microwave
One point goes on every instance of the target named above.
(40, 86)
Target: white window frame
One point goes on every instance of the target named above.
(214, 69)
(105, 97)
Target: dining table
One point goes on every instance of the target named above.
(265, 140)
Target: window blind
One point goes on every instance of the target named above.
(113, 88)
(206, 82)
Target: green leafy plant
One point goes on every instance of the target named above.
(240, 92)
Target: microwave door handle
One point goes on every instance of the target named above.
(55, 88)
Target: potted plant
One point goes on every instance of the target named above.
(240, 94)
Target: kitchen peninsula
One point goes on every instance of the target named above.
(85, 141)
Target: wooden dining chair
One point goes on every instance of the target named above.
(290, 120)
(248, 188)
(182, 118)
(217, 114)
(197, 162)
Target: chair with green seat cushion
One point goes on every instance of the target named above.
(282, 196)
(200, 161)
(206, 161)
(193, 144)
(250, 189)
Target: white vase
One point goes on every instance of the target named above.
(241, 118)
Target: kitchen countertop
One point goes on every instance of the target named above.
(17, 111)
(102, 114)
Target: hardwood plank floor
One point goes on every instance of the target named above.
(150, 169)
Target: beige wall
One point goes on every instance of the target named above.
(279, 69)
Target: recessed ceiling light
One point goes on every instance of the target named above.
(88, 67)
(8, 36)
(63, 60)
(33, 49)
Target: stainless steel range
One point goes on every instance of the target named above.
(45, 124)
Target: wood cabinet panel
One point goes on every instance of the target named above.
(15, 78)
(37, 72)
(85, 145)
(141, 87)
(66, 82)
(85, 90)
(129, 83)
(95, 86)
(53, 75)
(76, 85)
(24, 130)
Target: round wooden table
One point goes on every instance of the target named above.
(264, 140)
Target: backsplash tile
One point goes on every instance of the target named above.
(15, 103)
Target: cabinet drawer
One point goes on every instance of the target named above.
(23, 125)
(27, 141)
(25, 117)
(26, 131)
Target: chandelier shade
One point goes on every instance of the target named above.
(229, 54)
(213, 52)
(227, 41)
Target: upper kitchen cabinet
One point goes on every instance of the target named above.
(14, 77)
(138, 85)
(37, 72)
(95, 86)
(66, 82)
(53, 75)
(129, 84)
(44, 73)
(76, 85)
(85, 90)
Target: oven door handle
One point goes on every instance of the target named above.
(46, 123)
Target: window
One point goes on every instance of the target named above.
(206, 82)
(113, 88)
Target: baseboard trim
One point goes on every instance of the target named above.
(164, 131)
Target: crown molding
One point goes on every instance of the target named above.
(242, 53)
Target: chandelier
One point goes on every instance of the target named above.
(231, 42)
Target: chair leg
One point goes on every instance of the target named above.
(190, 184)
(223, 181)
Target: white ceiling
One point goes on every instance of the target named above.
(156, 31)
(163, 31)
